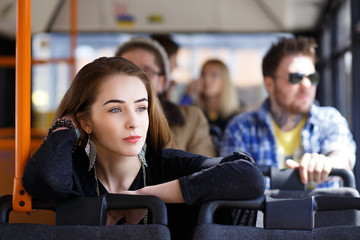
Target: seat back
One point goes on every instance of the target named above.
(226, 232)
(289, 179)
(283, 218)
(72, 222)
(93, 210)
(286, 184)
(323, 218)
(76, 232)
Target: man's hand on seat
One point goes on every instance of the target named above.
(313, 167)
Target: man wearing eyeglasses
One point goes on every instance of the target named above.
(289, 130)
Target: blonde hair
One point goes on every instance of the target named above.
(229, 102)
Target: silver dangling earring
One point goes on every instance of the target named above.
(90, 150)
(142, 155)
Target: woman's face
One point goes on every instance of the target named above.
(211, 80)
(119, 117)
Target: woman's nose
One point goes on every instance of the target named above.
(133, 121)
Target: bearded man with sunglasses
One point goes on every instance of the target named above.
(289, 130)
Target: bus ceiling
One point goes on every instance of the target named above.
(186, 16)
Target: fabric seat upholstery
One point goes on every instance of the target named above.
(76, 221)
(46, 232)
(300, 227)
(286, 184)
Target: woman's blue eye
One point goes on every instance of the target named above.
(143, 108)
(115, 110)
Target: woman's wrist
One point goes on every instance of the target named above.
(63, 124)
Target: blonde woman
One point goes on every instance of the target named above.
(216, 95)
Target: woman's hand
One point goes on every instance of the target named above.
(83, 134)
(194, 88)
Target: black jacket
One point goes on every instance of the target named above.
(54, 172)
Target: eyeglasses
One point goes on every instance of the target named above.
(151, 73)
(295, 78)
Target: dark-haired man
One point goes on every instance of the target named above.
(289, 130)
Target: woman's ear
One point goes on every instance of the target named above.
(85, 123)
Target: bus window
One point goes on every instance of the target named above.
(241, 52)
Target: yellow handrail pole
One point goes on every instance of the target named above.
(21, 199)
(73, 36)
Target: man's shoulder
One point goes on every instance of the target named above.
(324, 113)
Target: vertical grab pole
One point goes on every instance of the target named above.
(73, 37)
(21, 199)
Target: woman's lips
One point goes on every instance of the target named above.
(132, 139)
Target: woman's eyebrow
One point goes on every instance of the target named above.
(114, 101)
(122, 101)
(141, 100)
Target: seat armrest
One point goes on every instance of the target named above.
(207, 210)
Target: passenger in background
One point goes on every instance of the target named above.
(215, 94)
(188, 125)
(289, 130)
(171, 48)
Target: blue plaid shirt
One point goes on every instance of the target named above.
(325, 131)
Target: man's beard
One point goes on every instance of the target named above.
(292, 107)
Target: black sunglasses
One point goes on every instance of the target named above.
(295, 78)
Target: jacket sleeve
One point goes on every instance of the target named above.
(48, 174)
(234, 177)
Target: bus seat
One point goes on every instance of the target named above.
(75, 220)
(336, 232)
(289, 179)
(286, 184)
(324, 218)
(284, 219)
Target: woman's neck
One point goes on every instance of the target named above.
(117, 174)
(211, 104)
